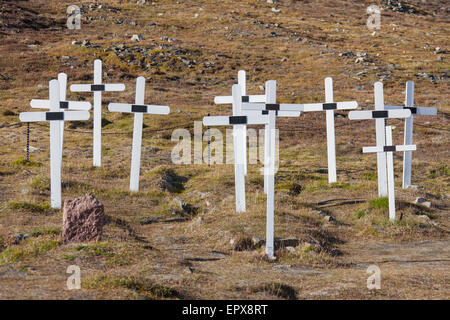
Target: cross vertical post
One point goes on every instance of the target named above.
(137, 136)
(408, 138)
(55, 148)
(331, 143)
(139, 109)
(390, 172)
(381, 141)
(98, 87)
(269, 174)
(239, 170)
(97, 144)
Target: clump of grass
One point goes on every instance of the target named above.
(369, 175)
(40, 184)
(26, 206)
(8, 113)
(140, 285)
(54, 231)
(21, 162)
(277, 289)
(360, 214)
(379, 203)
(31, 248)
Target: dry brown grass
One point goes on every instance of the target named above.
(194, 259)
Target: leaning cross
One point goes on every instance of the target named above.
(97, 87)
(63, 104)
(388, 149)
(409, 104)
(139, 109)
(269, 163)
(54, 116)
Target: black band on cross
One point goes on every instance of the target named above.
(380, 114)
(412, 109)
(389, 148)
(245, 99)
(264, 112)
(97, 87)
(53, 116)
(273, 106)
(64, 105)
(138, 108)
(329, 106)
(238, 120)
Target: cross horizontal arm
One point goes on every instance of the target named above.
(379, 114)
(282, 114)
(54, 116)
(425, 111)
(150, 109)
(97, 87)
(272, 106)
(346, 105)
(235, 120)
(70, 105)
(229, 99)
(409, 147)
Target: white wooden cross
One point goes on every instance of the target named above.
(381, 142)
(54, 116)
(388, 149)
(269, 106)
(269, 161)
(97, 87)
(64, 104)
(139, 109)
(329, 106)
(380, 114)
(240, 131)
(408, 139)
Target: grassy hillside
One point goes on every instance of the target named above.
(191, 51)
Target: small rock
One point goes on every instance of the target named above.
(276, 10)
(290, 250)
(328, 218)
(258, 242)
(136, 37)
(141, 2)
(320, 212)
(414, 187)
(423, 202)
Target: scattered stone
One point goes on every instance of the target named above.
(20, 237)
(320, 212)
(141, 2)
(328, 218)
(189, 270)
(185, 207)
(83, 219)
(136, 37)
(171, 182)
(423, 202)
(414, 187)
(283, 243)
(258, 242)
(242, 244)
(276, 10)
